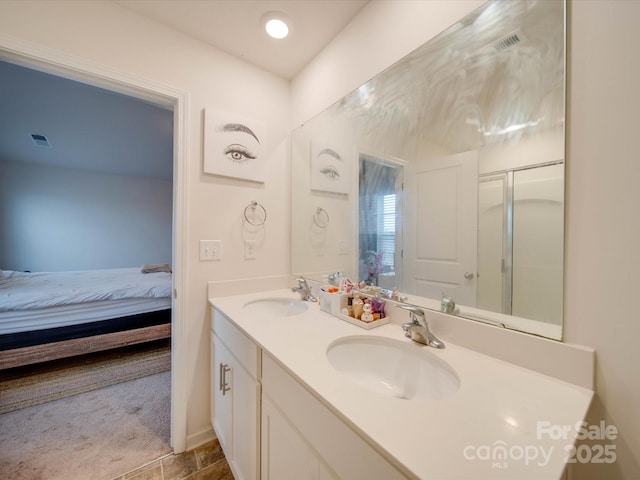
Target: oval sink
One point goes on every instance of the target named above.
(280, 307)
(393, 368)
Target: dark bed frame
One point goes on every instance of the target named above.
(25, 348)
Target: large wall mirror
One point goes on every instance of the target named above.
(444, 174)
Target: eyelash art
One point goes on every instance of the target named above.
(330, 172)
(238, 153)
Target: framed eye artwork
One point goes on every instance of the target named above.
(329, 168)
(233, 146)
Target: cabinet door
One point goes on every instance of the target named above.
(235, 411)
(285, 453)
(245, 395)
(336, 450)
(221, 408)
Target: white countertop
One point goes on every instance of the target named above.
(500, 408)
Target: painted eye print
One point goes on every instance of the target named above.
(330, 152)
(238, 127)
(233, 146)
(329, 169)
(330, 172)
(238, 153)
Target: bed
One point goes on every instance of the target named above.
(51, 315)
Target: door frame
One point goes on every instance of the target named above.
(51, 61)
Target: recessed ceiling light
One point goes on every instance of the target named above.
(277, 28)
(275, 23)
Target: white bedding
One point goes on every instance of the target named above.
(20, 291)
(81, 313)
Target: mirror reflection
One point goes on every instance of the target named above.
(443, 176)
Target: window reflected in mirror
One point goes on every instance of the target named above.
(380, 211)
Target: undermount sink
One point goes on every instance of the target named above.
(393, 368)
(280, 307)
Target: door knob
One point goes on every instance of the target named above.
(468, 275)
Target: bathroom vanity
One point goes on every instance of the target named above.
(291, 398)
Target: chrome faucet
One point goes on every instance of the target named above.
(447, 304)
(304, 290)
(418, 329)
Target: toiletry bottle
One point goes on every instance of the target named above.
(357, 307)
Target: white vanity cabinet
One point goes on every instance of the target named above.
(235, 396)
(271, 427)
(303, 439)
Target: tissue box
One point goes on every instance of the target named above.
(333, 303)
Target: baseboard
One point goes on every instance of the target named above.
(200, 438)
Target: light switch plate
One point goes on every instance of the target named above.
(210, 250)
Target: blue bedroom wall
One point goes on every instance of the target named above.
(57, 219)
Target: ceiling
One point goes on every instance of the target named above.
(93, 129)
(89, 128)
(235, 26)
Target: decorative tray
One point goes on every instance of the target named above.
(360, 323)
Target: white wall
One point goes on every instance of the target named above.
(602, 226)
(105, 33)
(58, 219)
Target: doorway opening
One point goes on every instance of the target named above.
(53, 62)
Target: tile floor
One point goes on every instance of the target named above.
(203, 463)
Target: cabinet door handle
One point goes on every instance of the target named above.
(220, 374)
(224, 386)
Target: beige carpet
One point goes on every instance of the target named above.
(40, 383)
(94, 435)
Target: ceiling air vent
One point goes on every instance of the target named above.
(497, 47)
(505, 43)
(40, 140)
